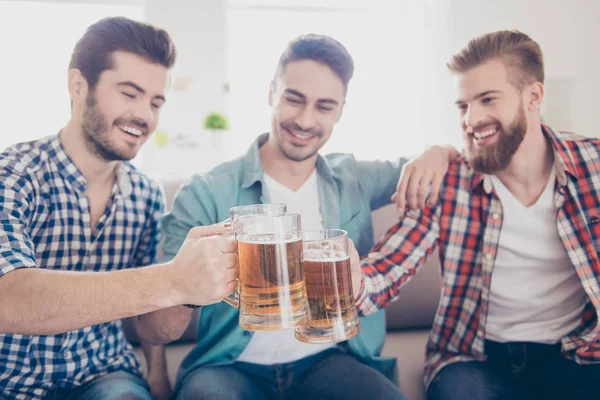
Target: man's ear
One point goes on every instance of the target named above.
(536, 96)
(78, 86)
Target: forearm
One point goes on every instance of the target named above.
(395, 260)
(156, 360)
(37, 301)
(164, 326)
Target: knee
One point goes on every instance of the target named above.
(124, 390)
(206, 385)
(459, 381)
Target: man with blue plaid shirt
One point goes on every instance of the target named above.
(518, 234)
(76, 218)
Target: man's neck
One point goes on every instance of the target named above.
(529, 170)
(291, 174)
(96, 171)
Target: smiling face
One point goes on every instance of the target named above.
(122, 111)
(493, 116)
(307, 100)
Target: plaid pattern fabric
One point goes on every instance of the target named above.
(45, 223)
(465, 226)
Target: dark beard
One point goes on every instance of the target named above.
(295, 127)
(96, 132)
(496, 157)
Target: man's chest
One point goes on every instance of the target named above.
(71, 233)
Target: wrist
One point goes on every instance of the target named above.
(173, 294)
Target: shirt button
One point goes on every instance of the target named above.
(47, 385)
(496, 216)
(246, 333)
(489, 256)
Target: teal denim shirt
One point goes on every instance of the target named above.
(348, 191)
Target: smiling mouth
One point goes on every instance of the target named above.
(485, 134)
(131, 130)
(299, 135)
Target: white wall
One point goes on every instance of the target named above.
(568, 33)
(198, 30)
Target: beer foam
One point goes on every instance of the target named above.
(313, 255)
(267, 238)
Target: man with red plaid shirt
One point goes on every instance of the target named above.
(518, 233)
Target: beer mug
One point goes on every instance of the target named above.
(271, 285)
(253, 209)
(332, 313)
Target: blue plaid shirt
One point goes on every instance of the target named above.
(45, 223)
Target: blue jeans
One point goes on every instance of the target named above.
(519, 371)
(329, 375)
(118, 385)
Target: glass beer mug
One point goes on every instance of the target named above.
(272, 294)
(253, 209)
(332, 315)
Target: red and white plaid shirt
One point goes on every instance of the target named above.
(466, 225)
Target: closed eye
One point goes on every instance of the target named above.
(128, 95)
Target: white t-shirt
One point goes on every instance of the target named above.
(535, 293)
(277, 347)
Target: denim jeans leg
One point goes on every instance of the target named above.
(565, 379)
(120, 385)
(342, 376)
(471, 381)
(220, 382)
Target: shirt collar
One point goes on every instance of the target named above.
(563, 162)
(252, 165)
(66, 167)
(73, 175)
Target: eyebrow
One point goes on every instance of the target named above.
(298, 94)
(480, 95)
(139, 89)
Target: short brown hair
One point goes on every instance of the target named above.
(92, 53)
(521, 54)
(322, 49)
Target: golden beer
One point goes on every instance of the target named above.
(329, 290)
(327, 272)
(272, 290)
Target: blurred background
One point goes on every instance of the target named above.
(399, 102)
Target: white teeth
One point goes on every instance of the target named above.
(484, 134)
(301, 136)
(133, 131)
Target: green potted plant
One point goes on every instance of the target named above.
(215, 121)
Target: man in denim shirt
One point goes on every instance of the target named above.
(336, 191)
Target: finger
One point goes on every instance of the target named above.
(413, 190)
(423, 189)
(210, 230)
(436, 185)
(351, 246)
(229, 288)
(401, 190)
(226, 245)
(230, 260)
(232, 274)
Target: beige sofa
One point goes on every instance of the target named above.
(408, 319)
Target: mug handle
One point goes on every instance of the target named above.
(234, 298)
